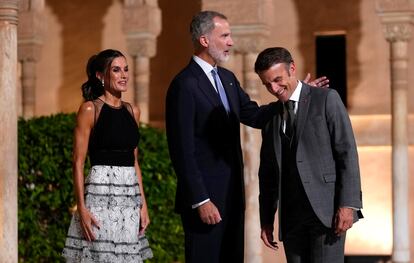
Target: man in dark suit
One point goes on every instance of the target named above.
(203, 131)
(204, 107)
(308, 166)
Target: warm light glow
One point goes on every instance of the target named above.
(373, 234)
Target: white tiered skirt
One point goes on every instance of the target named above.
(113, 196)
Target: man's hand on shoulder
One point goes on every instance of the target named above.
(322, 82)
(209, 213)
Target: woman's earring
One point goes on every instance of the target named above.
(103, 83)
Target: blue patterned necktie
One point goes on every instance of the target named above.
(220, 89)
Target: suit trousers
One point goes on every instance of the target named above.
(305, 238)
(220, 243)
(312, 242)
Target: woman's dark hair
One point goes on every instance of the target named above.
(93, 87)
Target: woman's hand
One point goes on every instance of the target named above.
(87, 220)
(144, 220)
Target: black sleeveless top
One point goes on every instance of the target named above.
(114, 136)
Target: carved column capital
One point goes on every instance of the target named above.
(8, 11)
(397, 32)
(30, 30)
(249, 21)
(250, 38)
(393, 5)
(142, 25)
(397, 17)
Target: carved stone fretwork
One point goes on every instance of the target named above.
(397, 25)
(142, 25)
(30, 41)
(250, 38)
(8, 136)
(249, 21)
(393, 5)
(30, 30)
(397, 32)
(397, 18)
(8, 12)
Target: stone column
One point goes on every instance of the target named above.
(249, 25)
(251, 153)
(8, 135)
(30, 31)
(142, 25)
(397, 19)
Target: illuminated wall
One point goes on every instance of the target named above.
(76, 29)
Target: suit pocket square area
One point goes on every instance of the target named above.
(329, 178)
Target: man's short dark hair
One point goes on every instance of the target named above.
(272, 56)
(203, 23)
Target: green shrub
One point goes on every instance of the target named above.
(46, 190)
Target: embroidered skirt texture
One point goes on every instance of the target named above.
(112, 195)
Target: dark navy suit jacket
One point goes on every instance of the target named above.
(204, 140)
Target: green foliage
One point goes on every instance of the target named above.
(165, 232)
(46, 190)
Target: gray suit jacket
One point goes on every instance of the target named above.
(326, 157)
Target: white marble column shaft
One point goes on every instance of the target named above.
(8, 135)
(251, 154)
(30, 41)
(397, 19)
(399, 92)
(142, 25)
(141, 86)
(28, 88)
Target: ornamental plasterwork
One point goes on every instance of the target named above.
(397, 18)
(8, 11)
(131, 3)
(141, 45)
(249, 38)
(393, 5)
(30, 35)
(142, 25)
(397, 31)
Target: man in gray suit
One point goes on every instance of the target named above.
(308, 166)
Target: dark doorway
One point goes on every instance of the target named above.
(331, 61)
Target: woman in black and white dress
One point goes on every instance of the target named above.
(112, 215)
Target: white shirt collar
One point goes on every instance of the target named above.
(296, 93)
(207, 67)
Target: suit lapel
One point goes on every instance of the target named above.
(303, 107)
(277, 144)
(204, 83)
